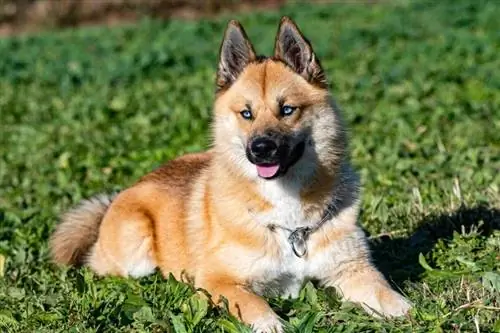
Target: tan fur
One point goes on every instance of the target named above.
(73, 238)
(207, 216)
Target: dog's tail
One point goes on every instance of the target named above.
(78, 231)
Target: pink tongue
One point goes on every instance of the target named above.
(267, 171)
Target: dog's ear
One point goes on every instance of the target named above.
(236, 52)
(294, 49)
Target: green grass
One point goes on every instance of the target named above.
(91, 110)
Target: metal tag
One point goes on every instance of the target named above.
(298, 241)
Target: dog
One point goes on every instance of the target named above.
(272, 204)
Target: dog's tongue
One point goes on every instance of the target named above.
(267, 171)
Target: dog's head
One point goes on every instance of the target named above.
(273, 116)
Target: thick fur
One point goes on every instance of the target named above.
(208, 216)
(78, 232)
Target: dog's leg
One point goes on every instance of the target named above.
(362, 283)
(243, 304)
(125, 243)
(356, 279)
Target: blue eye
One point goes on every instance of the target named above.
(247, 114)
(287, 110)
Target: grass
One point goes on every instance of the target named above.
(91, 110)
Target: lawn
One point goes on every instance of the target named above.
(90, 110)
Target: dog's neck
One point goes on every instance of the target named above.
(299, 236)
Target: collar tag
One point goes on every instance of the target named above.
(298, 241)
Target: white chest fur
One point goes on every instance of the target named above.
(282, 275)
(286, 273)
(287, 207)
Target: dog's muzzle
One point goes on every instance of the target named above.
(273, 153)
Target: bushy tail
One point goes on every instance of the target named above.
(78, 231)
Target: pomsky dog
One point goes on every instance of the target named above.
(274, 203)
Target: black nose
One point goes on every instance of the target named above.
(263, 148)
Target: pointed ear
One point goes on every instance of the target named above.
(294, 49)
(236, 52)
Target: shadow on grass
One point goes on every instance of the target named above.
(397, 258)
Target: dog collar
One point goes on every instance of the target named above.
(299, 236)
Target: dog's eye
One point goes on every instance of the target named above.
(247, 114)
(287, 110)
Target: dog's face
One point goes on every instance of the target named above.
(269, 109)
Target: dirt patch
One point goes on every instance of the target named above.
(23, 16)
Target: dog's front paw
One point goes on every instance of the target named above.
(377, 297)
(394, 304)
(269, 324)
(386, 302)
